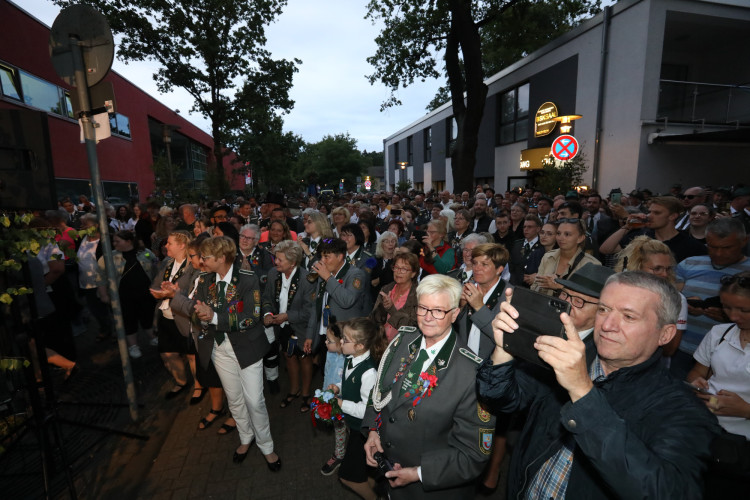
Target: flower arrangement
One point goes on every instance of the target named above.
(325, 407)
(423, 387)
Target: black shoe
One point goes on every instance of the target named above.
(274, 466)
(238, 458)
(174, 394)
(197, 399)
(273, 386)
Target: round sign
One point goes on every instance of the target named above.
(565, 147)
(544, 120)
(368, 184)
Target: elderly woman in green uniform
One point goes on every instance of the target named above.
(425, 417)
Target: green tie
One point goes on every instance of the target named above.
(219, 336)
(414, 370)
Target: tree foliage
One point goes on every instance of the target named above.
(418, 33)
(560, 177)
(203, 46)
(330, 160)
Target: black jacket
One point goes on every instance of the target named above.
(639, 433)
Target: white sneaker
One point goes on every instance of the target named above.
(154, 341)
(135, 351)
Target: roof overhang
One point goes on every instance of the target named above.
(734, 137)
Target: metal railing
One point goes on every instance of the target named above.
(706, 103)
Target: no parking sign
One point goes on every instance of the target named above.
(565, 147)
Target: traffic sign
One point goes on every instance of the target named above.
(565, 147)
(368, 184)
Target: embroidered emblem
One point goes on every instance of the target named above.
(357, 283)
(407, 329)
(483, 414)
(485, 440)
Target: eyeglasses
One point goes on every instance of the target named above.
(347, 341)
(192, 255)
(243, 237)
(744, 282)
(329, 341)
(699, 214)
(220, 217)
(399, 269)
(206, 257)
(689, 196)
(575, 301)
(436, 313)
(568, 221)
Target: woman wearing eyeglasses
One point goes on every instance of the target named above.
(570, 256)
(425, 417)
(439, 257)
(700, 215)
(654, 257)
(397, 301)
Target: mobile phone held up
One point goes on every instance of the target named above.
(538, 314)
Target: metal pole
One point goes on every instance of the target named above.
(96, 184)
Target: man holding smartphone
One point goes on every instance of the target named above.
(628, 428)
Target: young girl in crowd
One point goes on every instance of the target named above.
(334, 371)
(363, 344)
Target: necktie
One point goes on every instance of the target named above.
(414, 370)
(348, 260)
(350, 364)
(526, 249)
(591, 224)
(313, 246)
(221, 303)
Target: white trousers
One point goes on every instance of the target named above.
(244, 390)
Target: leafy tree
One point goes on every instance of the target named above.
(417, 32)
(377, 158)
(257, 126)
(560, 177)
(332, 159)
(202, 46)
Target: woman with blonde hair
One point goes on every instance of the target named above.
(317, 228)
(340, 217)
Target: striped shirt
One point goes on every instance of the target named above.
(702, 280)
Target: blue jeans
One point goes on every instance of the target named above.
(334, 370)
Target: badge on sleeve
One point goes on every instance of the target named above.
(357, 283)
(485, 440)
(483, 414)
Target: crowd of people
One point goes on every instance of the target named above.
(403, 301)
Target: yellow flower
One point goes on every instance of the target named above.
(6, 298)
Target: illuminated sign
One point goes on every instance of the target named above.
(544, 120)
(533, 159)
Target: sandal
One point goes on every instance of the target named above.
(305, 406)
(206, 423)
(226, 429)
(288, 399)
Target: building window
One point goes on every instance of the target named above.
(427, 144)
(410, 150)
(68, 104)
(513, 115)
(41, 94)
(451, 134)
(9, 82)
(395, 154)
(199, 158)
(119, 124)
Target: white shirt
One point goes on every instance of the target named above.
(433, 351)
(475, 333)
(226, 279)
(88, 269)
(731, 370)
(357, 408)
(530, 243)
(164, 306)
(286, 283)
(322, 330)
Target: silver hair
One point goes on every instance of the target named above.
(670, 303)
(379, 246)
(251, 227)
(440, 283)
(477, 238)
(291, 250)
(725, 227)
(450, 215)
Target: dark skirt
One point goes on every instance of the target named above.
(208, 377)
(170, 338)
(354, 466)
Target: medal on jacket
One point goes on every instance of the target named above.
(411, 414)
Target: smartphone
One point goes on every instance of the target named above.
(538, 314)
(396, 211)
(419, 235)
(615, 198)
(384, 465)
(698, 389)
(696, 303)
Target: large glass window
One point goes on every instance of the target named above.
(9, 82)
(41, 94)
(427, 133)
(410, 150)
(513, 115)
(451, 134)
(119, 124)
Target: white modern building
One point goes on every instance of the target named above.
(662, 88)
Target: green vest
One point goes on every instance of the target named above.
(351, 386)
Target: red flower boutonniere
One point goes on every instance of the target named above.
(341, 282)
(424, 385)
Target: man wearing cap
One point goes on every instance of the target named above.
(611, 422)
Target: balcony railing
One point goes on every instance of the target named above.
(706, 103)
